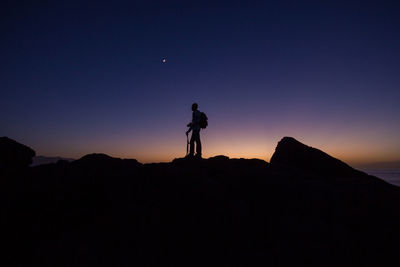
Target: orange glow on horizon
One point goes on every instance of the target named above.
(351, 151)
(352, 144)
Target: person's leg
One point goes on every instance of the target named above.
(198, 144)
(192, 139)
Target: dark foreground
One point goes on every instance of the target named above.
(304, 208)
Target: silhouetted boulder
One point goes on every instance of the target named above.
(293, 154)
(219, 158)
(97, 158)
(40, 160)
(102, 164)
(14, 155)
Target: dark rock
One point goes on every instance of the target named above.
(219, 158)
(14, 155)
(105, 211)
(62, 162)
(187, 160)
(290, 153)
(97, 158)
(100, 159)
(102, 164)
(40, 160)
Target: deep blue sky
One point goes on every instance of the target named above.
(82, 77)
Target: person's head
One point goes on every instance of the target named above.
(194, 106)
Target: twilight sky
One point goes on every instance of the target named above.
(82, 77)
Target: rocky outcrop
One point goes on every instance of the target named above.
(105, 211)
(102, 164)
(291, 153)
(100, 159)
(14, 155)
(40, 160)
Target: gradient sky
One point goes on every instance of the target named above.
(82, 77)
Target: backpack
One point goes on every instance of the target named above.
(203, 120)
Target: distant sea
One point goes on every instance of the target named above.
(390, 176)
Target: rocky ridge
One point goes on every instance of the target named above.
(304, 208)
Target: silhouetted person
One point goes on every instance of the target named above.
(195, 127)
